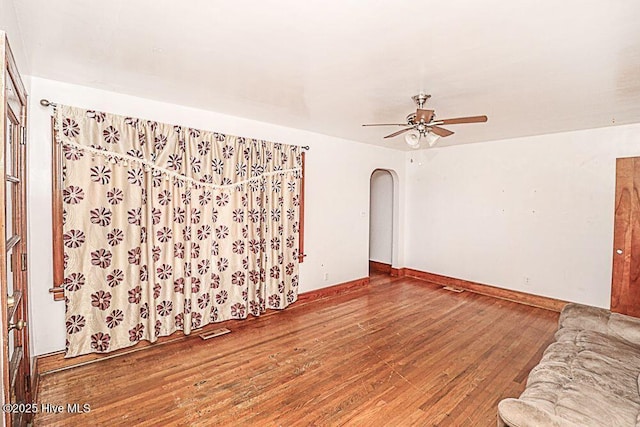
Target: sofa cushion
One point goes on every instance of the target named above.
(588, 406)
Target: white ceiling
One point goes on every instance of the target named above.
(532, 66)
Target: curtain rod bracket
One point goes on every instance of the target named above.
(304, 147)
(47, 103)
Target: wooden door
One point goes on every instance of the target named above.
(625, 283)
(13, 243)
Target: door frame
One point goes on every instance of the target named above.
(10, 77)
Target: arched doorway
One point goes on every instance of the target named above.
(381, 221)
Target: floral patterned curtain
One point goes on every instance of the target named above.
(169, 228)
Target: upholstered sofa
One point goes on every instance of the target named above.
(587, 377)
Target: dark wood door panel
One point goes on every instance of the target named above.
(625, 283)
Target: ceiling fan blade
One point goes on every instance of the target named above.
(460, 120)
(425, 115)
(387, 124)
(441, 131)
(398, 133)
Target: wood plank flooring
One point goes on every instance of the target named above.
(401, 351)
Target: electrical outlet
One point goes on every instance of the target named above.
(326, 276)
(527, 281)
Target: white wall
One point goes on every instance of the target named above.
(530, 214)
(9, 24)
(337, 193)
(381, 217)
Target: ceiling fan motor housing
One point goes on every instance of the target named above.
(420, 99)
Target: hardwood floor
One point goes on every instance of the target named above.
(398, 352)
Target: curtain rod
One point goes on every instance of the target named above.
(46, 103)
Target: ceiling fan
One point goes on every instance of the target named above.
(423, 124)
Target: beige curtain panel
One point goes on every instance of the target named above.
(170, 228)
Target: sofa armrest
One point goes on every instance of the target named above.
(518, 413)
(586, 318)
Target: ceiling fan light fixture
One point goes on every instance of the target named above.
(431, 138)
(412, 139)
